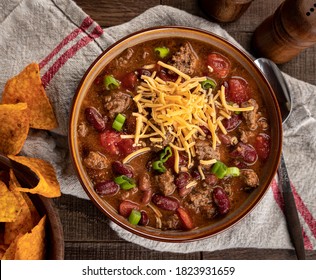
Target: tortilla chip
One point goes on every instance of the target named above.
(14, 127)
(9, 205)
(31, 246)
(24, 222)
(10, 251)
(48, 185)
(27, 87)
(3, 248)
(35, 215)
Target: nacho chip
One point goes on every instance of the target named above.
(14, 127)
(31, 246)
(24, 222)
(48, 185)
(9, 205)
(35, 215)
(9, 253)
(27, 87)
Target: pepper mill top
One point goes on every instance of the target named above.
(291, 29)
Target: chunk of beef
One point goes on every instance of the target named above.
(251, 116)
(172, 222)
(117, 103)
(157, 146)
(96, 161)
(245, 135)
(165, 183)
(123, 60)
(185, 59)
(250, 177)
(82, 129)
(200, 201)
(205, 151)
(144, 183)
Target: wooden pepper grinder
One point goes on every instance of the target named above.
(291, 29)
(224, 10)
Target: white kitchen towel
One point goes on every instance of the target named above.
(65, 41)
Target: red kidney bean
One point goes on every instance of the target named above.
(210, 179)
(106, 188)
(144, 72)
(185, 218)
(224, 138)
(232, 123)
(165, 202)
(182, 179)
(219, 63)
(262, 145)
(126, 207)
(221, 200)
(245, 152)
(122, 169)
(184, 191)
(144, 183)
(95, 119)
(238, 90)
(196, 175)
(144, 220)
(147, 196)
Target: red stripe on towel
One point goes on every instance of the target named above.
(46, 78)
(279, 200)
(306, 214)
(85, 25)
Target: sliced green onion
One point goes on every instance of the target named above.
(110, 82)
(208, 83)
(162, 51)
(134, 217)
(118, 122)
(163, 157)
(158, 166)
(125, 182)
(166, 154)
(233, 171)
(219, 169)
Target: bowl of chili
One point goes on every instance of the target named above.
(175, 134)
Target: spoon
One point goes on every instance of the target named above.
(280, 88)
(26, 177)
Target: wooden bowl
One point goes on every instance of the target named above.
(54, 230)
(269, 100)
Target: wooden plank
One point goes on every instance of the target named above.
(82, 221)
(120, 251)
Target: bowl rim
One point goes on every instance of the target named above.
(201, 234)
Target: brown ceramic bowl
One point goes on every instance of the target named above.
(269, 99)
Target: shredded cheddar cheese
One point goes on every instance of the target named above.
(181, 109)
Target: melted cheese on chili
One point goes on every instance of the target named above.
(179, 109)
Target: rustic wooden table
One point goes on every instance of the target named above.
(86, 230)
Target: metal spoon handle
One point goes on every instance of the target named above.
(290, 211)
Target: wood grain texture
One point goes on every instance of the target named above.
(86, 230)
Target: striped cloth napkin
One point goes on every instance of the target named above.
(65, 41)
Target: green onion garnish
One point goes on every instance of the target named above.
(134, 217)
(232, 171)
(208, 83)
(219, 169)
(125, 182)
(118, 122)
(162, 51)
(163, 157)
(110, 82)
(158, 166)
